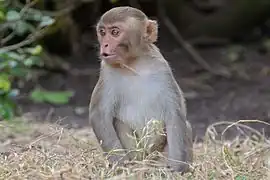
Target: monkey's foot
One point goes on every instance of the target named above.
(117, 159)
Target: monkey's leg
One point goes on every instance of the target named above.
(127, 138)
(152, 137)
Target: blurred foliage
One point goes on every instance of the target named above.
(17, 58)
(39, 95)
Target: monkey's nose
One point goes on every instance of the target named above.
(106, 45)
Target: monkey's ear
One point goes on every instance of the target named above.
(151, 31)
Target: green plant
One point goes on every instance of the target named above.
(62, 97)
(18, 56)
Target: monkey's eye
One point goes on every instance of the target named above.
(115, 32)
(102, 32)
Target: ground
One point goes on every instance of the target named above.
(30, 150)
(210, 98)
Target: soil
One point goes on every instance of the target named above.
(210, 98)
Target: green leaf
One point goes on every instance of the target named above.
(4, 76)
(32, 60)
(33, 15)
(211, 175)
(18, 72)
(4, 84)
(37, 96)
(240, 177)
(3, 65)
(50, 96)
(35, 50)
(14, 55)
(3, 55)
(2, 93)
(21, 27)
(2, 15)
(46, 21)
(7, 109)
(13, 15)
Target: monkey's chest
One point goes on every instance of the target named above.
(139, 102)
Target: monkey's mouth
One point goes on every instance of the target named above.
(109, 57)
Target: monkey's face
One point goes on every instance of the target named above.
(123, 34)
(114, 44)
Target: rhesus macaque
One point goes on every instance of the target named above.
(136, 85)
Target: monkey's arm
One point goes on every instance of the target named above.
(179, 132)
(103, 128)
(102, 124)
(179, 142)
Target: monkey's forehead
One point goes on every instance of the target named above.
(122, 13)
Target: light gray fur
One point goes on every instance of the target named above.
(136, 99)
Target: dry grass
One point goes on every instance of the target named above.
(49, 151)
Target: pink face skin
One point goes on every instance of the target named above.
(110, 37)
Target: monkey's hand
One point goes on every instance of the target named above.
(107, 136)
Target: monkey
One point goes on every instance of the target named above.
(136, 84)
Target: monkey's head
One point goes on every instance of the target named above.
(124, 33)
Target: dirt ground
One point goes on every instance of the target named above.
(210, 98)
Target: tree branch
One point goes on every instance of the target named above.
(188, 47)
(58, 13)
(30, 39)
(4, 40)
